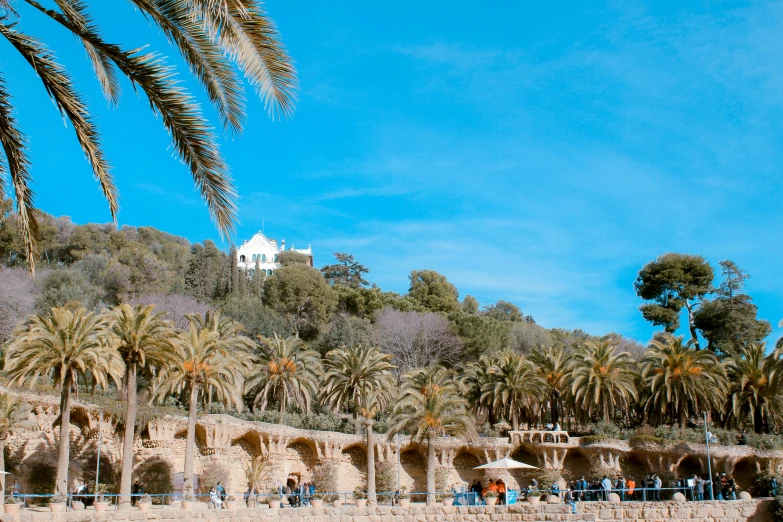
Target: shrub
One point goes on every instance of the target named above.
(385, 479)
(606, 430)
(41, 480)
(765, 441)
(213, 473)
(441, 480)
(326, 477)
(645, 441)
(108, 473)
(157, 479)
(592, 439)
(778, 514)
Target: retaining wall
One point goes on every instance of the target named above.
(737, 511)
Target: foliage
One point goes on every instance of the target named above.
(385, 479)
(754, 393)
(673, 281)
(41, 480)
(157, 478)
(606, 429)
(352, 374)
(470, 305)
(108, 473)
(433, 291)
(291, 257)
(416, 339)
(344, 331)
(285, 372)
(513, 389)
(481, 334)
(212, 473)
(346, 272)
(258, 472)
(256, 318)
(504, 311)
(301, 295)
(326, 477)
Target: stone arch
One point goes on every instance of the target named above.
(81, 418)
(689, 466)
(576, 464)
(300, 459)
(246, 446)
(413, 475)
(464, 463)
(354, 467)
(522, 477)
(632, 466)
(745, 473)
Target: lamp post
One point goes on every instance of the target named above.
(98, 465)
(709, 438)
(399, 462)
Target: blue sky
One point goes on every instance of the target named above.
(539, 154)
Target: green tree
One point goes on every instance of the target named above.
(65, 345)
(552, 364)
(729, 321)
(344, 330)
(603, 381)
(674, 281)
(15, 415)
(428, 412)
(208, 359)
(301, 295)
(504, 311)
(433, 291)
(755, 391)
(256, 318)
(470, 305)
(144, 340)
(514, 388)
(355, 371)
(285, 371)
(477, 375)
(346, 272)
(212, 38)
(69, 287)
(481, 334)
(202, 277)
(681, 380)
(291, 257)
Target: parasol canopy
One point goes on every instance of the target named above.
(506, 463)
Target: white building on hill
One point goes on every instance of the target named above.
(261, 253)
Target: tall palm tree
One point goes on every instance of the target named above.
(368, 405)
(206, 359)
(682, 381)
(603, 381)
(350, 373)
(429, 411)
(515, 387)
(552, 364)
(754, 391)
(65, 345)
(216, 38)
(476, 376)
(15, 414)
(285, 371)
(144, 340)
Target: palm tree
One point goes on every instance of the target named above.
(285, 370)
(64, 345)
(216, 38)
(350, 373)
(144, 340)
(476, 376)
(514, 388)
(754, 390)
(552, 364)
(368, 405)
(602, 380)
(15, 414)
(207, 358)
(682, 381)
(429, 411)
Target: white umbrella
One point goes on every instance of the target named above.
(507, 464)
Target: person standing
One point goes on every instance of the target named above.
(699, 488)
(773, 486)
(657, 484)
(630, 485)
(501, 492)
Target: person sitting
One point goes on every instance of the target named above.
(214, 499)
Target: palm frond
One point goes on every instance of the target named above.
(76, 13)
(59, 86)
(191, 134)
(248, 35)
(185, 29)
(14, 144)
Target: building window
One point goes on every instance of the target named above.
(263, 258)
(269, 272)
(241, 259)
(275, 258)
(251, 271)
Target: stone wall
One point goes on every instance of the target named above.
(739, 511)
(731, 511)
(295, 454)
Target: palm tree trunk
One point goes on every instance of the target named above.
(190, 443)
(758, 420)
(2, 466)
(430, 471)
(61, 484)
(126, 478)
(370, 464)
(515, 421)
